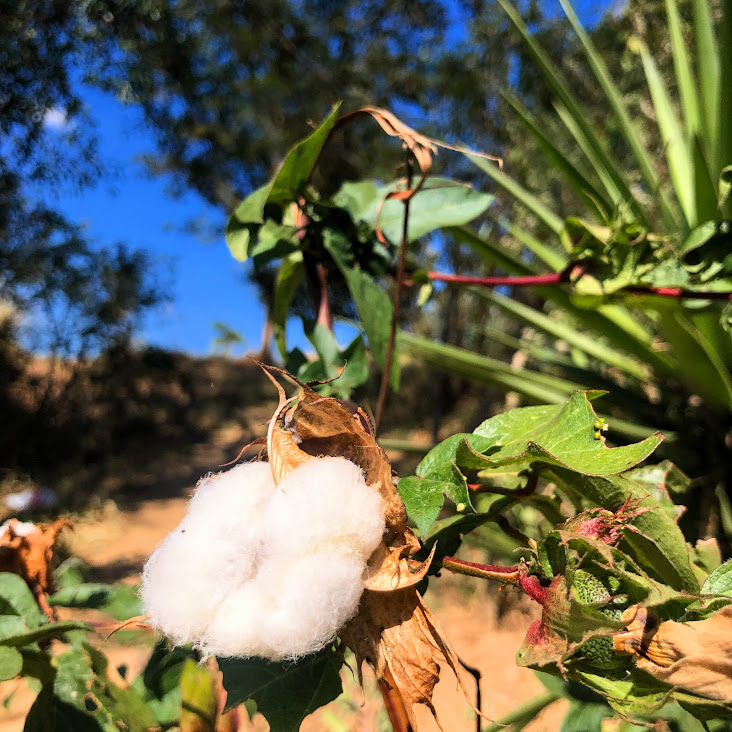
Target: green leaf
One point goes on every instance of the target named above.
(707, 70)
(588, 194)
(357, 197)
(159, 683)
(289, 276)
(14, 634)
(560, 435)
(585, 717)
(684, 74)
(617, 102)
(285, 692)
(657, 542)
(678, 153)
(51, 714)
(620, 190)
(299, 163)
(719, 581)
(274, 241)
(17, 599)
(459, 361)
(372, 303)
(119, 601)
(285, 186)
(700, 364)
(423, 499)
(200, 703)
(517, 191)
(563, 330)
(11, 662)
(439, 203)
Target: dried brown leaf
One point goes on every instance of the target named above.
(695, 656)
(30, 557)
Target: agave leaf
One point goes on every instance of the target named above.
(675, 141)
(627, 126)
(707, 70)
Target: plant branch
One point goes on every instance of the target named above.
(400, 283)
(524, 714)
(475, 673)
(507, 575)
(560, 278)
(394, 703)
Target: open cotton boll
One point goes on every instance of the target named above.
(216, 548)
(325, 503)
(288, 610)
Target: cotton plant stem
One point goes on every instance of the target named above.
(507, 575)
(394, 703)
(400, 283)
(522, 715)
(560, 278)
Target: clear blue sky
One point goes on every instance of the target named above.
(206, 284)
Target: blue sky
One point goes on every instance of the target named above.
(206, 284)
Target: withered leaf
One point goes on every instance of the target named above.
(695, 656)
(29, 555)
(398, 636)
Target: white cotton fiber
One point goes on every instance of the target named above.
(265, 570)
(325, 503)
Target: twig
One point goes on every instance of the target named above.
(394, 703)
(475, 673)
(386, 375)
(507, 575)
(560, 278)
(523, 714)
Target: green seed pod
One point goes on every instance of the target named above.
(597, 652)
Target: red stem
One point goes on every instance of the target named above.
(558, 278)
(555, 278)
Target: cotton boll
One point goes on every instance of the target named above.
(289, 610)
(216, 548)
(325, 504)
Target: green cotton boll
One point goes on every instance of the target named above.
(598, 652)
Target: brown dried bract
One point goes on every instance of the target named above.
(695, 656)
(30, 557)
(393, 631)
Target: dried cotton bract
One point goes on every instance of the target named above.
(258, 569)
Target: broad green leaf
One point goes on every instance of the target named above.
(563, 435)
(423, 499)
(585, 717)
(11, 662)
(357, 197)
(372, 302)
(12, 634)
(678, 153)
(200, 703)
(274, 241)
(439, 203)
(661, 481)
(562, 330)
(285, 692)
(119, 601)
(299, 163)
(517, 191)
(285, 186)
(657, 542)
(17, 599)
(719, 581)
(245, 221)
(159, 683)
(51, 714)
